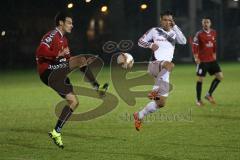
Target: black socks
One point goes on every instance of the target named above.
(199, 90)
(213, 86)
(66, 113)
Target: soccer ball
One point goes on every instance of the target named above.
(125, 60)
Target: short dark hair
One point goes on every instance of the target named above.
(166, 13)
(206, 17)
(61, 16)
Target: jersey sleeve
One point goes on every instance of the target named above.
(47, 40)
(146, 40)
(44, 49)
(195, 44)
(215, 43)
(180, 38)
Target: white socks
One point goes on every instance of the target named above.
(150, 108)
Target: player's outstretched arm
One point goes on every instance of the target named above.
(180, 38)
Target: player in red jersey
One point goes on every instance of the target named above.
(204, 52)
(54, 62)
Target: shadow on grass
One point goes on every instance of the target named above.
(65, 134)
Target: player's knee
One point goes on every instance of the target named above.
(169, 66)
(200, 79)
(220, 77)
(160, 103)
(74, 104)
(73, 101)
(172, 65)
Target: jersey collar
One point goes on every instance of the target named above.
(165, 31)
(206, 31)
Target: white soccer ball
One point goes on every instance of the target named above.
(125, 60)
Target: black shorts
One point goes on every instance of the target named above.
(57, 79)
(210, 67)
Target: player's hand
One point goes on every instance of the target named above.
(64, 52)
(154, 47)
(197, 60)
(173, 23)
(214, 56)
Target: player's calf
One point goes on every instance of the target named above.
(66, 112)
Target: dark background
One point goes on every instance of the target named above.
(26, 21)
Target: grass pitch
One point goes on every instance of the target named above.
(179, 131)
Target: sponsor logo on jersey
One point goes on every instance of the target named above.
(209, 44)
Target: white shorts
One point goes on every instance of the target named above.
(154, 67)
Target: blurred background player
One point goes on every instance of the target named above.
(55, 62)
(204, 51)
(161, 40)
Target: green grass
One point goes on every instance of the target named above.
(210, 132)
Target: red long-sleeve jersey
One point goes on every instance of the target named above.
(47, 52)
(204, 45)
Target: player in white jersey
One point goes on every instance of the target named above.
(161, 40)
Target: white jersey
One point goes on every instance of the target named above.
(165, 40)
